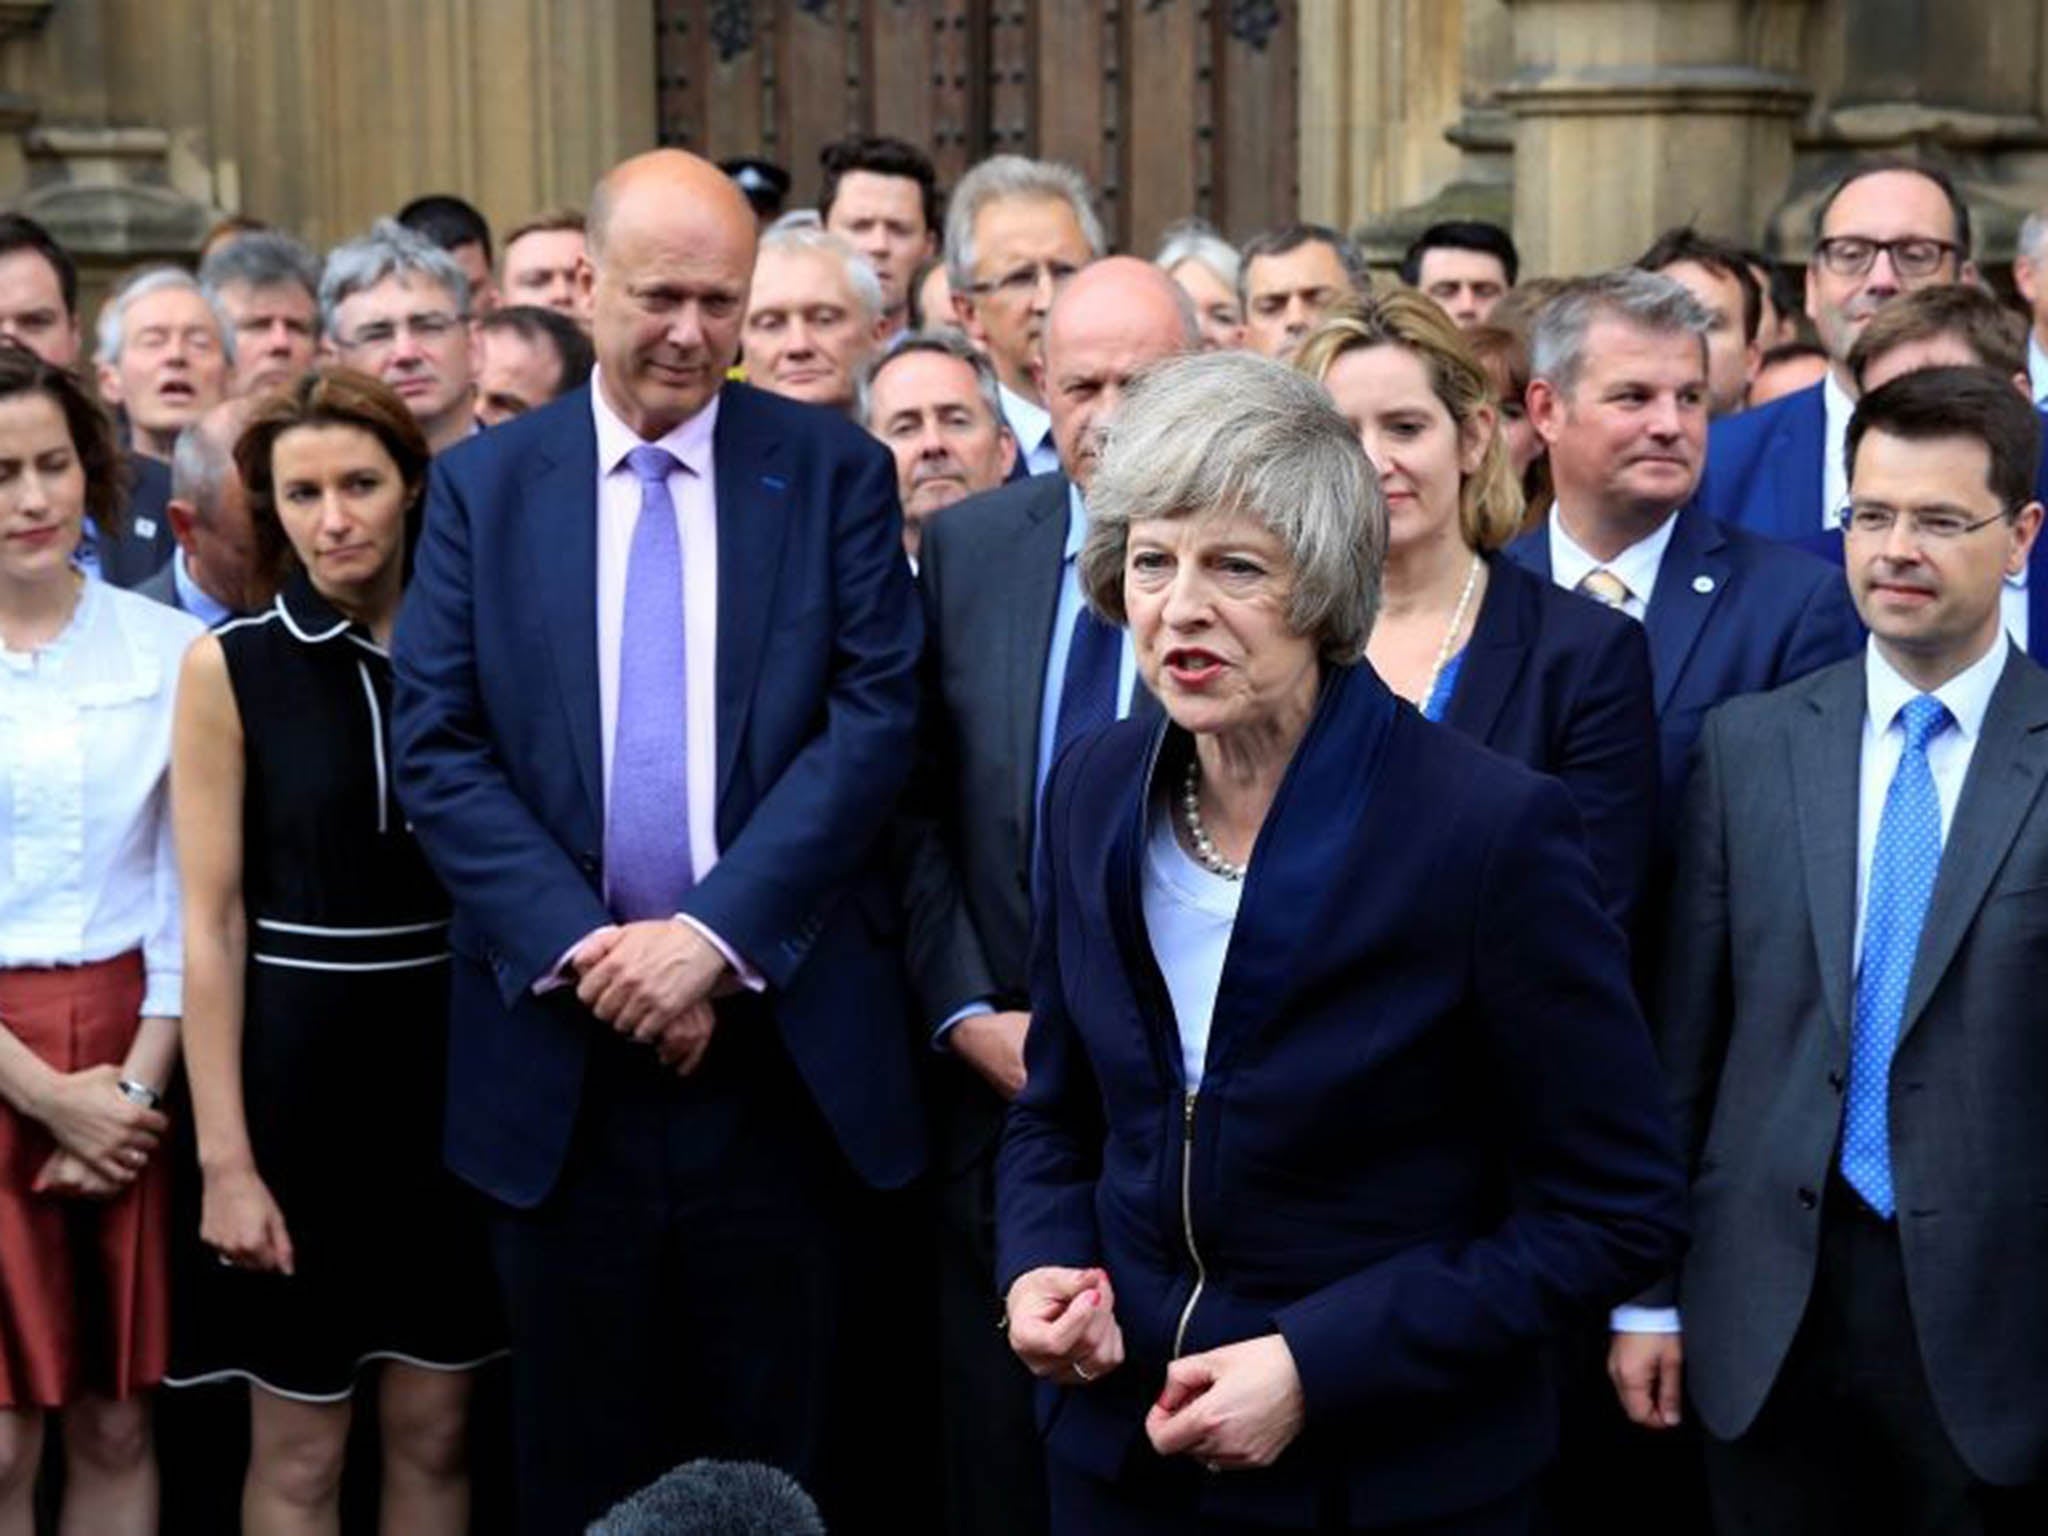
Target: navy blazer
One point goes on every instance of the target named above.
(1731, 614)
(1426, 1138)
(498, 764)
(1764, 467)
(1562, 685)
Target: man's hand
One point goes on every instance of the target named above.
(682, 1045)
(1234, 1407)
(993, 1044)
(1648, 1372)
(641, 978)
(1062, 1324)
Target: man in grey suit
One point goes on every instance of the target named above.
(1851, 1022)
(1015, 668)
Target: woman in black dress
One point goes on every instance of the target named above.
(316, 981)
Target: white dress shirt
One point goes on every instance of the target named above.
(2037, 368)
(195, 599)
(1189, 914)
(693, 490)
(1635, 567)
(87, 869)
(1834, 475)
(1032, 427)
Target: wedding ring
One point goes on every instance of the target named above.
(1082, 1371)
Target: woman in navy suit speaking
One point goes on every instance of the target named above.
(1339, 1107)
(1494, 651)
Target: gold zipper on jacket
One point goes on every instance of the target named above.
(1187, 1219)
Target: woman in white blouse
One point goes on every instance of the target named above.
(90, 969)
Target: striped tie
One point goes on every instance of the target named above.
(1603, 586)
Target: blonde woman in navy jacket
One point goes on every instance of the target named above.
(1339, 1107)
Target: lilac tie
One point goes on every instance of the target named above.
(647, 825)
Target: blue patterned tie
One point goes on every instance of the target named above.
(647, 821)
(1902, 870)
(1089, 687)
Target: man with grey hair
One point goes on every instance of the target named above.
(932, 400)
(266, 286)
(396, 306)
(814, 317)
(1016, 667)
(162, 357)
(1618, 392)
(213, 576)
(2030, 276)
(1016, 231)
(1290, 278)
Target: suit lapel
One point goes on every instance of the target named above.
(1798, 449)
(753, 527)
(1036, 565)
(1690, 582)
(2003, 783)
(1827, 756)
(1495, 656)
(563, 577)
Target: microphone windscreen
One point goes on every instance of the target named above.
(716, 1498)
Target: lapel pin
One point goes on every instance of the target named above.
(1703, 585)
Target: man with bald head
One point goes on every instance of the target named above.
(656, 694)
(1016, 668)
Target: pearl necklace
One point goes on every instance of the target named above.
(1443, 651)
(1191, 816)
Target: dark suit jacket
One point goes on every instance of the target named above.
(1764, 467)
(1562, 685)
(1754, 1031)
(1425, 1138)
(496, 730)
(989, 573)
(148, 544)
(1732, 613)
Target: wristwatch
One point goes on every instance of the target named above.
(139, 1093)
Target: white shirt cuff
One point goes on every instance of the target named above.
(1644, 1320)
(749, 978)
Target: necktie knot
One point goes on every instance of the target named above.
(1922, 719)
(652, 464)
(1602, 585)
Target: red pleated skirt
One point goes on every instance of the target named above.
(84, 1284)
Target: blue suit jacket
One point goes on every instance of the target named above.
(1562, 685)
(1731, 614)
(497, 739)
(1764, 466)
(1426, 1139)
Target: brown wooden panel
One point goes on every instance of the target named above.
(901, 81)
(1068, 86)
(814, 87)
(731, 51)
(1254, 149)
(1162, 109)
(1008, 128)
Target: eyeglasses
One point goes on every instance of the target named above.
(431, 326)
(1938, 524)
(1020, 282)
(1915, 256)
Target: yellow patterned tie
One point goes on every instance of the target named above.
(1604, 586)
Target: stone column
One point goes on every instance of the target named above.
(1633, 115)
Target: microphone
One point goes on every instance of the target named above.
(716, 1498)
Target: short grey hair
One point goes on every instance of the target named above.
(111, 335)
(1649, 301)
(1001, 177)
(801, 239)
(1195, 240)
(2033, 239)
(1236, 434)
(200, 465)
(388, 250)
(945, 343)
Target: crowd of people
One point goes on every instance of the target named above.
(1054, 892)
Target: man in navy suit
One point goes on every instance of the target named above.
(1619, 395)
(656, 697)
(1886, 228)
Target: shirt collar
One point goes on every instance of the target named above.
(1029, 422)
(1077, 522)
(195, 599)
(1636, 566)
(310, 618)
(689, 441)
(1967, 694)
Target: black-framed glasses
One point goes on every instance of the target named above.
(1873, 519)
(1915, 256)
